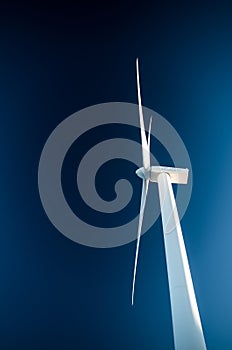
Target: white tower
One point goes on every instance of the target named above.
(187, 329)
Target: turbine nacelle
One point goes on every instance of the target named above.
(177, 175)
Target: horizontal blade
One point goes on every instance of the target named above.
(145, 148)
(142, 207)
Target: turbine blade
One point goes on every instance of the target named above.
(145, 148)
(142, 207)
(149, 133)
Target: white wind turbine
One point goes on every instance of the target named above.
(187, 329)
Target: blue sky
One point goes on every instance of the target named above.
(56, 60)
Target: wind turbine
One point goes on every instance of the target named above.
(186, 323)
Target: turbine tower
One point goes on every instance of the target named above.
(186, 323)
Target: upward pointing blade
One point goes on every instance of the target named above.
(149, 133)
(142, 207)
(145, 147)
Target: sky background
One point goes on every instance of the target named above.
(56, 60)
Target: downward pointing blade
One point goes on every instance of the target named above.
(145, 147)
(142, 207)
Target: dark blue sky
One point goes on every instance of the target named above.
(56, 60)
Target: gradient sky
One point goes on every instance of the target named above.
(56, 60)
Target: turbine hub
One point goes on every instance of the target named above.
(143, 173)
